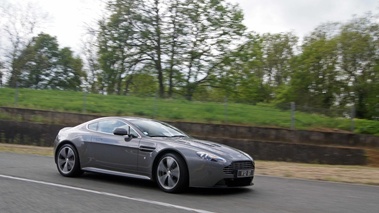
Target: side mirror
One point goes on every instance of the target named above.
(120, 131)
(123, 132)
(128, 138)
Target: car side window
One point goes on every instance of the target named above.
(93, 126)
(108, 126)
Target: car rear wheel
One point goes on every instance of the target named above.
(68, 161)
(171, 173)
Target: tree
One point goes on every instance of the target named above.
(359, 59)
(181, 41)
(1, 79)
(241, 77)
(143, 85)
(255, 70)
(1, 74)
(32, 68)
(213, 27)
(118, 53)
(314, 81)
(278, 52)
(92, 65)
(338, 68)
(20, 25)
(68, 73)
(42, 65)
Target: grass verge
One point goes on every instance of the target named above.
(337, 173)
(179, 110)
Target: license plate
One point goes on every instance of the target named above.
(245, 173)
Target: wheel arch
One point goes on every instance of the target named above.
(163, 152)
(60, 145)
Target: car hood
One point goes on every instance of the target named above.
(209, 146)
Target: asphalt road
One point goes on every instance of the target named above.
(31, 183)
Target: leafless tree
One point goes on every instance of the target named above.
(20, 22)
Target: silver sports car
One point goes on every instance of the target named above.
(151, 150)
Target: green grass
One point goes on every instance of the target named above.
(176, 110)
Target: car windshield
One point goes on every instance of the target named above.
(157, 129)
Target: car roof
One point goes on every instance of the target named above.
(128, 118)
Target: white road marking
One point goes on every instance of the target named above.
(106, 194)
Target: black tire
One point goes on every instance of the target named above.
(67, 160)
(171, 173)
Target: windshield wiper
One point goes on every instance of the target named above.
(158, 136)
(179, 136)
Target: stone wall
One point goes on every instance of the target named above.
(215, 130)
(44, 134)
(26, 133)
(292, 152)
(279, 135)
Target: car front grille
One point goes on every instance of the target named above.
(238, 165)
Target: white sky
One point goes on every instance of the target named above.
(69, 17)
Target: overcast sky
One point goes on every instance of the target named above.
(68, 17)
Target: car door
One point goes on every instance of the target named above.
(111, 152)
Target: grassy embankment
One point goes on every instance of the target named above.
(175, 109)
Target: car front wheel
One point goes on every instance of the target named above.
(68, 161)
(171, 173)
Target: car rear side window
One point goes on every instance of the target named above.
(108, 126)
(93, 126)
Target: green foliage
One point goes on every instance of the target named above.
(337, 68)
(367, 127)
(143, 85)
(314, 81)
(240, 79)
(359, 61)
(257, 69)
(42, 65)
(179, 42)
(278, 51)
(68, 73)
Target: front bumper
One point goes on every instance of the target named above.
(211, 174)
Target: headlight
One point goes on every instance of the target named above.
(211, 157)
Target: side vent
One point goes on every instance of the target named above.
(146, 148)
